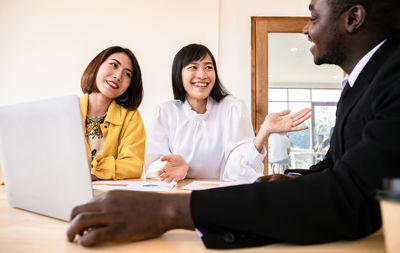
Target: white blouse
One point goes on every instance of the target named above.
(216, 145)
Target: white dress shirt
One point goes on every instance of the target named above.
(360, 66)
(216, 145)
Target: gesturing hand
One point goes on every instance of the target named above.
(281, 122)
(175, 169)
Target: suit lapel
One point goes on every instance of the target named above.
(345, 91)
(347, 104)
(363, 82)
(367, 76)
(353, 96)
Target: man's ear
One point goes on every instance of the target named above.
(355, 18)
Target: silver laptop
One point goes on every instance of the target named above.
(43, 156)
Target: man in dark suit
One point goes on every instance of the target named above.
(337, 201)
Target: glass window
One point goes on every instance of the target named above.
(324, 119)
(277, 95)
(301, 139)
(299, 94)
(304, 144)
(297, 106)
(320, 95)
(276, 106)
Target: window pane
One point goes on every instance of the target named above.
(301, 141)
(324, 118)
(277, 94)
(301, 152)
(297, 106)
(299, 95)
(324, 121)
(320, 95)
(276, 106)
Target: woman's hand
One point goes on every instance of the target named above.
(281, 122)
(175, 169)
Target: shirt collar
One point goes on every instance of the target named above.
(114, 111)
(114, 114)
(194, 114)
(360, 66)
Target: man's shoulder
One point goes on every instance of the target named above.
(390, 54)
(390, 67)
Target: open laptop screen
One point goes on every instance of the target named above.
(43, 155)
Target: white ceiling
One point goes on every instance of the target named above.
(295, 67)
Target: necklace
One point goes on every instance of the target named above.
(93, 126)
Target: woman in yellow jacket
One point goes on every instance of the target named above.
(115, 135)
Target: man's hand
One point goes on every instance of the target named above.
(274, 177)
(118, 216)
(94, 178)
(175, 169)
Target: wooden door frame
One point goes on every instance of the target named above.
(260, 27)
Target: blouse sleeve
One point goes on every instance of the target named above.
(244, 162)
(130, 153)
(157, 144)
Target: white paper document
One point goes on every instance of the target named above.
(203, 185)
(150, 186)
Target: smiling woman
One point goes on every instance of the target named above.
(204, 132)
(115, 136)
(198, 80)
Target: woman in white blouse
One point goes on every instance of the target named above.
(205, 132)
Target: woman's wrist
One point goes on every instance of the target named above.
(259, 141)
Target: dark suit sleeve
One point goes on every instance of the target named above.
(312, 209)
(335, 204)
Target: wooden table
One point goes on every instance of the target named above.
(22, 231)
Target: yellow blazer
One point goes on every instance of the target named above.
(125, 139)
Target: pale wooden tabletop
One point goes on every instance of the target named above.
(23, 231)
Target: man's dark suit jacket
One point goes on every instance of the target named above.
(339, 201)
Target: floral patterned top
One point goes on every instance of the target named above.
(94, 135)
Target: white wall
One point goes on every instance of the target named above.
(46, 44)
(235, 38)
